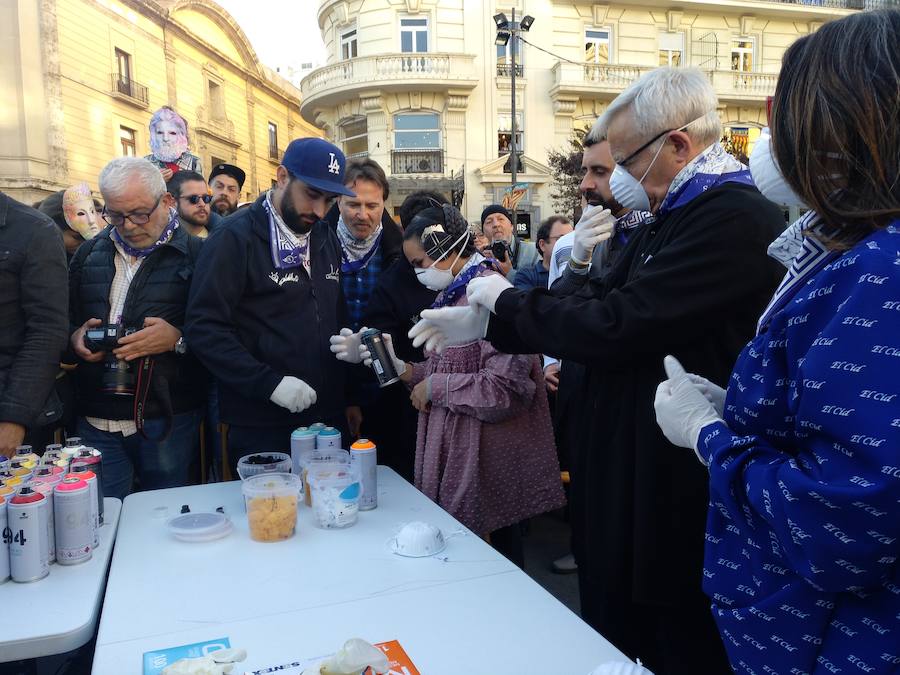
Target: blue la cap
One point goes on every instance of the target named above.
(317, 163)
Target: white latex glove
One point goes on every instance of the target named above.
(448, 326)
(711, 391)
(345, 345)
(620, 668)
(366, 357)
(596, 225)
(485, 290)
(294, 394)
(681, 410)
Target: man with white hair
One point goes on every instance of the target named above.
(139, 389)
(690, 283)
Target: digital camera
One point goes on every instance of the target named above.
(118, 376)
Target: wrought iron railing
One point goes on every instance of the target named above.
(128, 87)
(417, 161)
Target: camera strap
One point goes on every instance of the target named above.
(142, 391)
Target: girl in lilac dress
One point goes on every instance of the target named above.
(485, 450)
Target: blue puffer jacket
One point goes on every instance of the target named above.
(803, 533)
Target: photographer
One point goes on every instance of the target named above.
(510, 252)
(128, 292)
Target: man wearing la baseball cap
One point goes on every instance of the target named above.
(266, 296)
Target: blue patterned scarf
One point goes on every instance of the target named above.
(809, 256)
(474, 266)
(163, 239)
(356, 253)
(710, 168)
(289, 249)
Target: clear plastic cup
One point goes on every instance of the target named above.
(318, 458)
(336, 490)
(271, 500)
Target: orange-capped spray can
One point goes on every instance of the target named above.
(363, 454)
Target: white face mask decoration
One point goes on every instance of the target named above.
(628, 190)
(79, 211)
(767, 175)
(167, 141)
(435, 279)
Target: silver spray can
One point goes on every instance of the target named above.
(46, 489)
(363, 454)
(72, 513)
(26, 530)
(93, 458)
(4, 543)
(328, 438)
(83, 471)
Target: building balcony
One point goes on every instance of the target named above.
(417, 161)
(328, 86)
(801, 10)
(128, 90)
(605, 82)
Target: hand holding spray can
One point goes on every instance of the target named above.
(382, 363)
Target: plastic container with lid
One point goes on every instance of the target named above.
(335, 489)
(271, 501)
(263, 462)
(199, 527)
(316, 458)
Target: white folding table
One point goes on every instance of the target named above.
(58, 613)
(304, 597)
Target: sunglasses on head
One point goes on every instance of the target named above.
(195, 199)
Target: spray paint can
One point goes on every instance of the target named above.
(303, 442)
(18, 468)
(72, 515)
(73, 445)
(328, 438)
(317, 426)
(84, 472)
(26, 530)
(4, 542)
(382, 363)
(93, 458)
(26, 453)
(363, 455)
(46, 489)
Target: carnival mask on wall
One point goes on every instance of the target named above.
(79, 211)
(168, 135)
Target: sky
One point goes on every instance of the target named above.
(282, 32)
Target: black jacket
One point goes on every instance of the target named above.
(159, 288)
(252, 324)
(33, 320)
(691, 284)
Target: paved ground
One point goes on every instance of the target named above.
(546, 540)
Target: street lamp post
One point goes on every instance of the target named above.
(508, 33)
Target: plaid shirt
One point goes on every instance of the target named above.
(358, 288)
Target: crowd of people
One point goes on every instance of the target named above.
(680, 311)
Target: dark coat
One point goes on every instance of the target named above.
(691, 284)
(159, 288)
(34, 325)
(252, 324)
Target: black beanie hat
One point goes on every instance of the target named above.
(492, 209)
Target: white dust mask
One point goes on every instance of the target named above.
(767, 176)
(435, 279)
